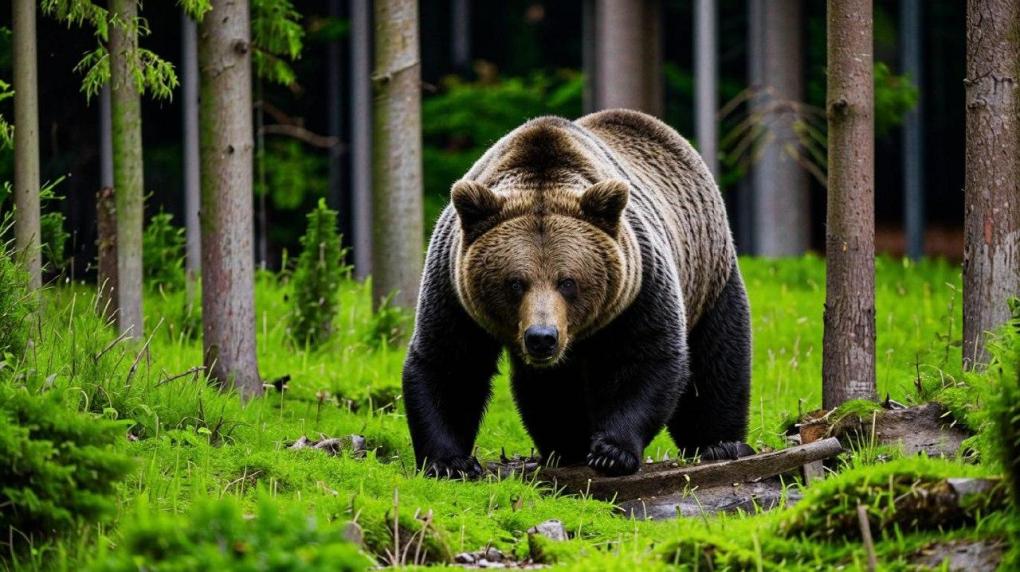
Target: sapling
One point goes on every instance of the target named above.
(320, 269)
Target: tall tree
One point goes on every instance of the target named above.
(361, 136)
(126, 109)
(991, 258)
(26, 140)
(706, 72)
(396, 144)
(628, 53)
(781, 209)
(190, 146)
(227, 138)
(912, 65)
(848, 356)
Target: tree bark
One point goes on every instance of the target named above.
(106, 223)
(783, 224)
(848, 361)
(991, 258)
(26, 140)
(361, 136)
(397, 236)
(225, 122)
(628, 53)
(127, 166)
(105, 138)
(706, 73)
(190, 154)
(911, 36)
(460, 35)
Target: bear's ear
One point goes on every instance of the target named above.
(602, 204)
(477, 206)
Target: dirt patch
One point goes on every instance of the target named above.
(961, 555)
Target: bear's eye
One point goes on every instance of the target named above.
(567, 287)
(516, 286)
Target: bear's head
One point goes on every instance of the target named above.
(541, 268)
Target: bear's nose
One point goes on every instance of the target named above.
(540, 341)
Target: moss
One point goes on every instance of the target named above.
(897, 495)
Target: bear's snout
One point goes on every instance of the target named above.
(541, 341)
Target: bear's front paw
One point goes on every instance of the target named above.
(726, 451)
(454, 467)
(611, 459)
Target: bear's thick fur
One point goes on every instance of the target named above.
(599, 254)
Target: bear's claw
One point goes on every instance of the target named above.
(454, 467)
(610, 459)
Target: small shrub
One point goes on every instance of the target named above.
(15, 302)
(218, 535)
(320, 269)
(388, 326)
(1004, 407)
(163, 252)
(60, 466)
(54, 238)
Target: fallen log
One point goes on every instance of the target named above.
(671, 477)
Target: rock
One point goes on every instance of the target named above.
(766, 494)
(551, 529)
(353, 533)
(333, 445)
(961, 555)
(465, 558)
(493, 554)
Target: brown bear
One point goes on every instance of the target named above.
(598, 253)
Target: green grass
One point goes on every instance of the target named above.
(193, 444)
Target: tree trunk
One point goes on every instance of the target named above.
(991, 257)
(361, 136)
(106, 243)
(911, 35)
(126, 112)
(628, 54)
(225, 121)
(460, 32)
(706, 94)
(783, 224)
(397, 237)
(190, 155)
(26, 141)
(848, 357)
(105, 138)
(589, 57)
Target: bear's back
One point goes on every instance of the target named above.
(672, 191)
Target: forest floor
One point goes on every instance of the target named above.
(214, 481)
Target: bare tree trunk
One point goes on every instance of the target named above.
(628, 55)
(991, 258)
(225, 120)
(706, 93)
(589, 56)
(361, 136)
(397, 236)
(26, 140)
(460, 32)
(911, 35)
(126, 107)
(106, 223)
(848, 357)
(105, 138)
(783, 224)
(192, 181)
(334, 112)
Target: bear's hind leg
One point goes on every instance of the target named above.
(711, 417)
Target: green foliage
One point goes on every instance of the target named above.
(60, 468)
(163, 251)
(15, 301)
(219, 535)
(293, 175)
(52, 233)
(895, 96)
(460, 122)
(278, 37)
(150, 73)
(389, 325)
(6, 129)
(195, 8)
(320, 268)
(1003, 408)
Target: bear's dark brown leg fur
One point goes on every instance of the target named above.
(551, 404)
(711, 418)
